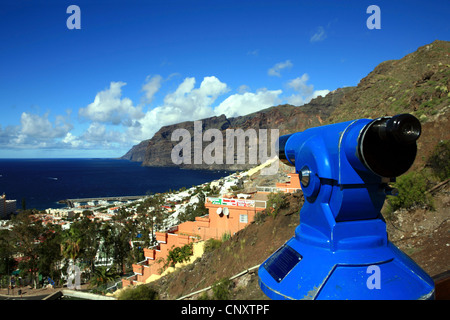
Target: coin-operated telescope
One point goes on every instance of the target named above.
(341, 249)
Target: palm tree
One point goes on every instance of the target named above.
(70, 244)
(102, 275)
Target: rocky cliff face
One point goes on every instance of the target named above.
(286, 118)
(418, 83)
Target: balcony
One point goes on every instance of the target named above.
(139, 269)
(149, 253)
(161, 237)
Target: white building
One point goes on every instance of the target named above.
(7, 206)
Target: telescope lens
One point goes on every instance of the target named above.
(404, 128)
(387, 146)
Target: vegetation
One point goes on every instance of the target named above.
(275, 202)
(260, 217)
(179, 254)
(211, 245)
(194, 210)
(142, 292)
(102, 276)
(36, 244)
(221, 289)
(412, 189)
(413, 186)
(42, 248)
(439, 161)
(226, 236)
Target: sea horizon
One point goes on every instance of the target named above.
(50, 180)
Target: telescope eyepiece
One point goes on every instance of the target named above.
(403, 128)
(387, 146)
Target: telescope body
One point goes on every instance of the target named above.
(344, 171)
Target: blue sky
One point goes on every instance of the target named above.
(137, 65)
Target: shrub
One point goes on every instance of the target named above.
(260, 217)
(203, 296)
(412, 189)
(212, 244)
(226, 236)
(439, 161)
(180, 254)
(141, 292)
(222, 289)
(275, 202)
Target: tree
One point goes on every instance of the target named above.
(50, 253)
(151, 215)
(90, 239)
(179, 254)
(101, 276)
(29, 234)
(124, 230)
(7, 262)
(70, 244)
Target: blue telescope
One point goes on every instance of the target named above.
(340, 249)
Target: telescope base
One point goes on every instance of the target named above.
(300, 270)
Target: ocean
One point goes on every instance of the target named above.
(43, 182)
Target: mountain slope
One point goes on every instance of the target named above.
(418, 83)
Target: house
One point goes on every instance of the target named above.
(225, 216)
(291, 186)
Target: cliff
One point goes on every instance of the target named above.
(287, 118)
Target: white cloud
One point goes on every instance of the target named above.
(151, 86)
(71, 141)
(37, 127)
(108, 107)
(319, 35)
(318, 93)
(35, 132)
(276, 69)
(115, 123)
(304, 92)
(248, 102)
(299, 85)
(243, 88)
(185, 103)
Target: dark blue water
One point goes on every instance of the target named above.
(43, 182)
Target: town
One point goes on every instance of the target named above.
(175, 219)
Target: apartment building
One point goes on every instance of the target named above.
(225, 216)
(7, 207)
